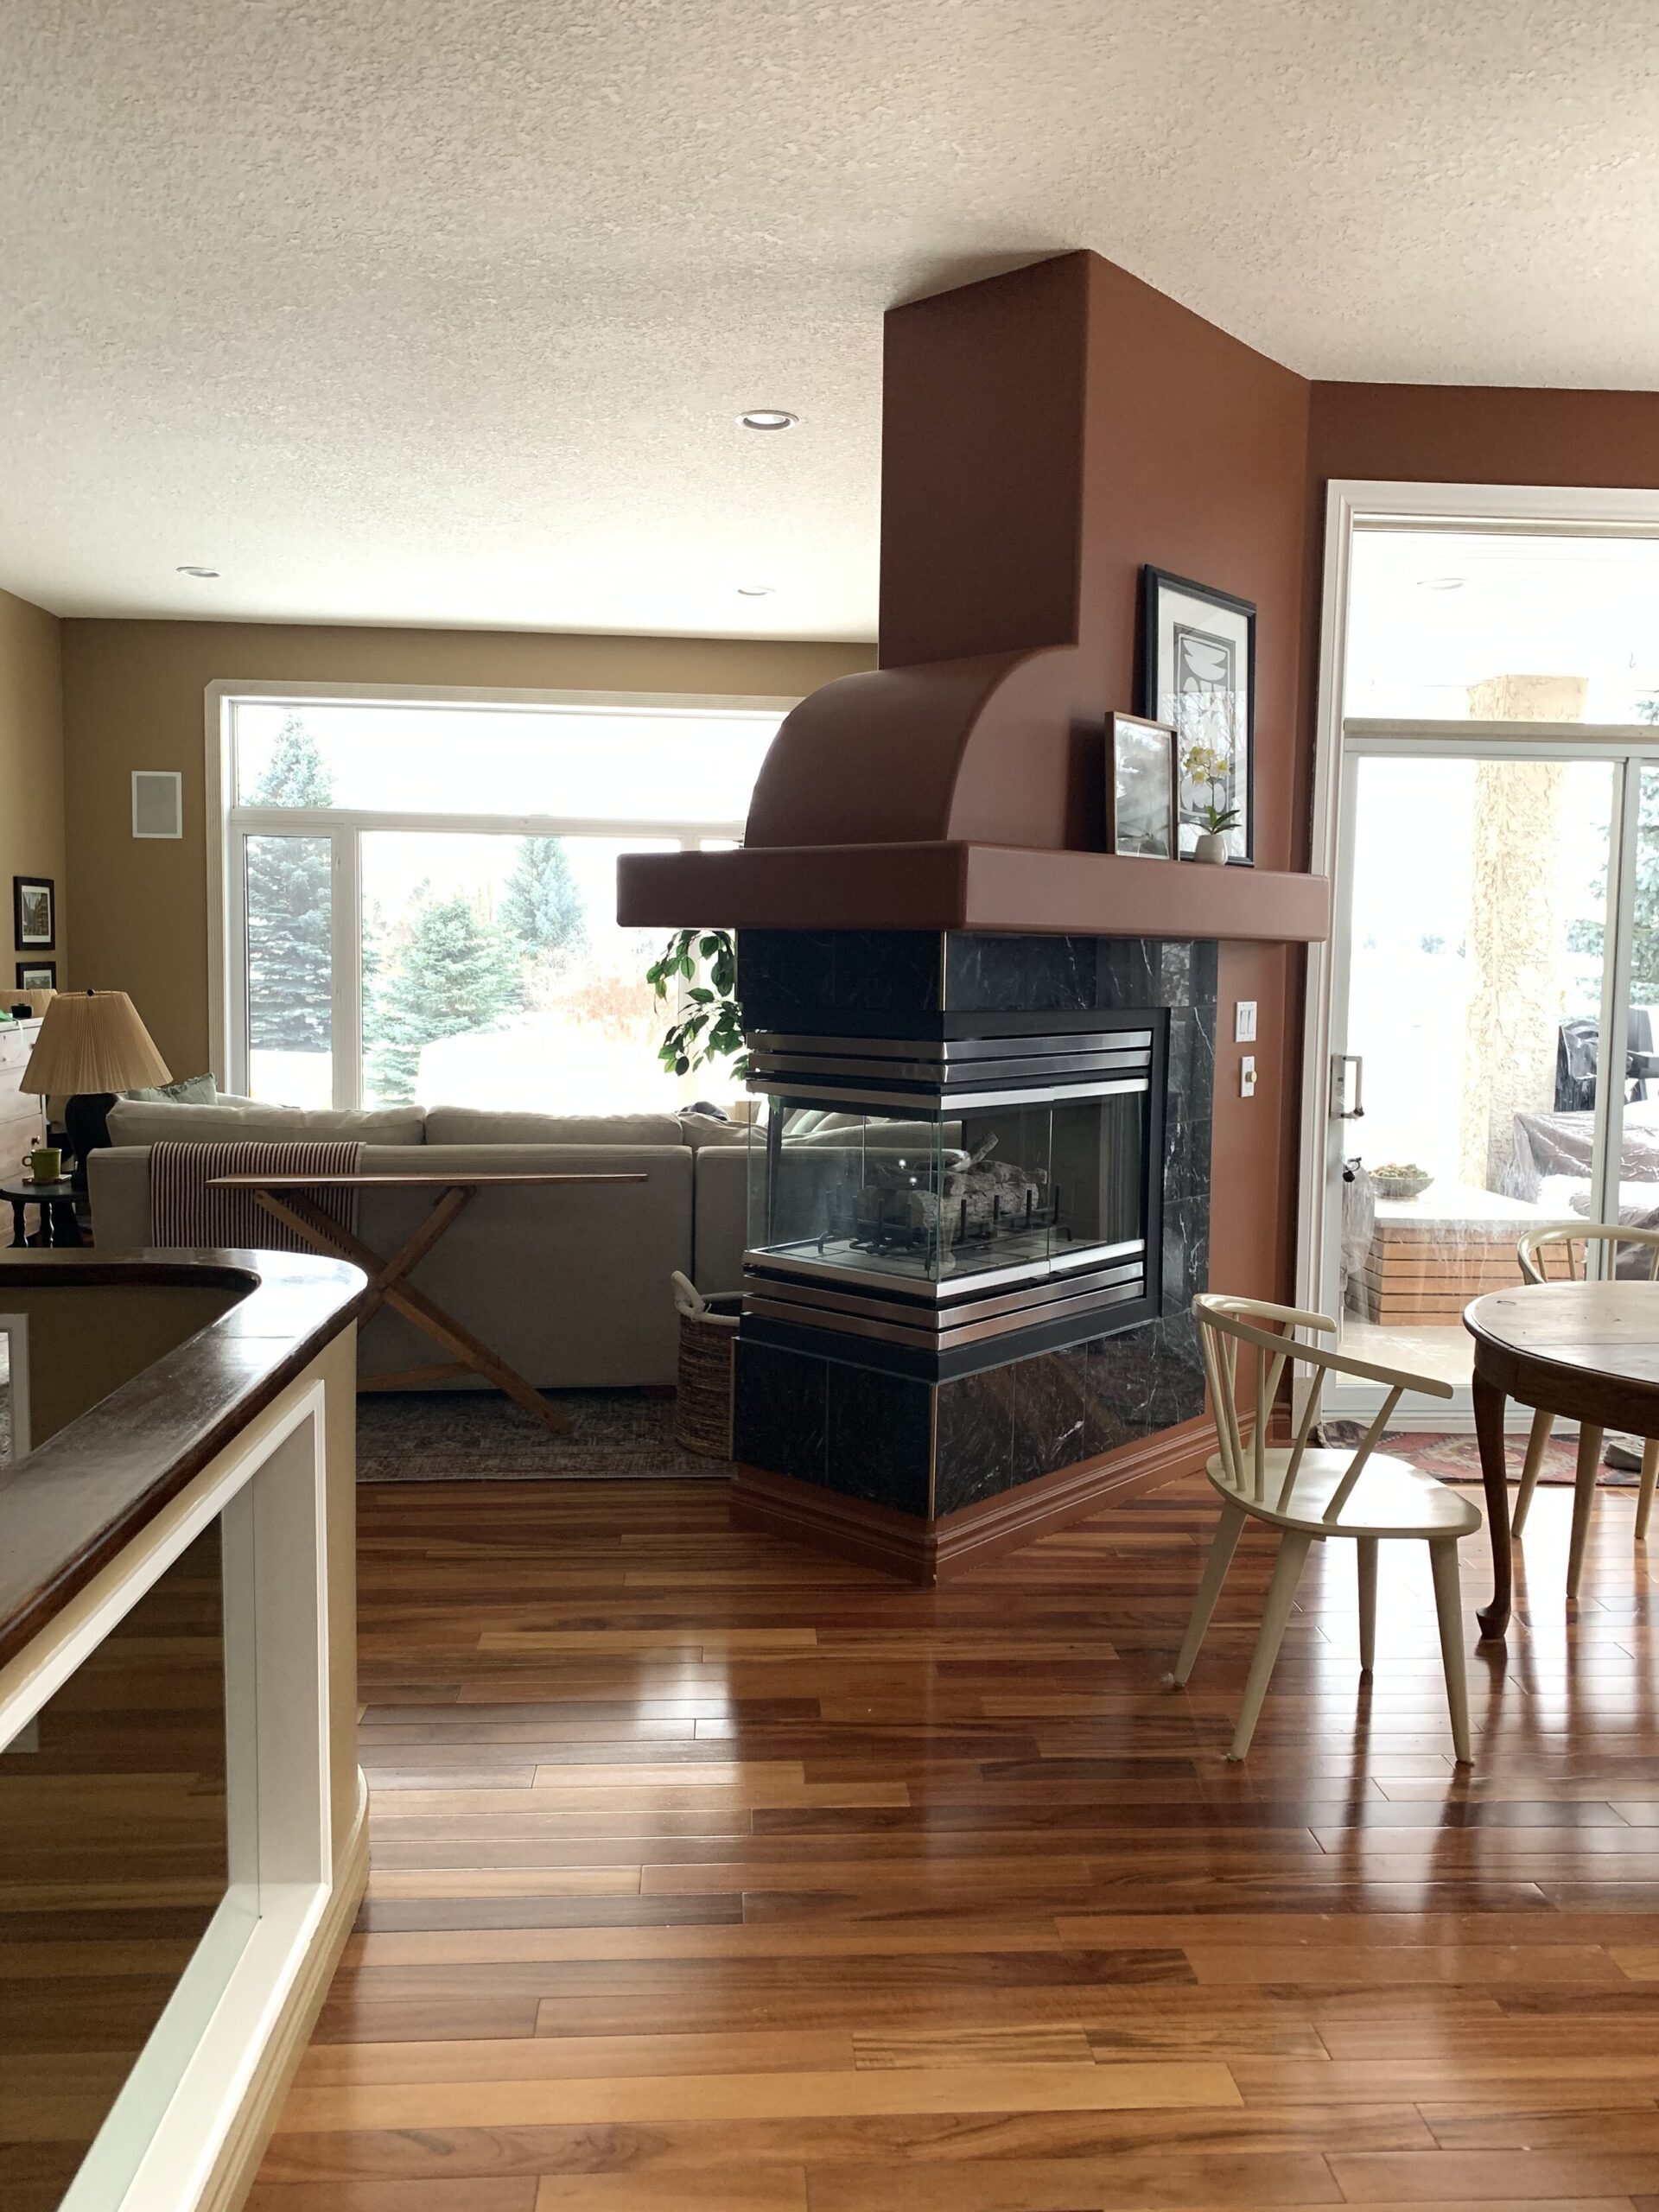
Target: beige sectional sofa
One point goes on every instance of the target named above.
(570, 1285)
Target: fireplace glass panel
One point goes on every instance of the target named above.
(917, 1195)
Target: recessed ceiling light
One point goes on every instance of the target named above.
(1440, 583)
(767, 418)
(194, 569)
(756, 591)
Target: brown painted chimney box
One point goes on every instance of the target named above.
(1007, 622)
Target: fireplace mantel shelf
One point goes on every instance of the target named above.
(965, 886)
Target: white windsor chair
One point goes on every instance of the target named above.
(1311, 1494)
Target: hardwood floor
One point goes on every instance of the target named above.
(709, 1873)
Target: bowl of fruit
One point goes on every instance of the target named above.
(1400, 1179)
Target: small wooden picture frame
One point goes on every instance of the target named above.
(37, 975)
(1143, 791)
(33, 913)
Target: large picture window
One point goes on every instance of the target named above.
(417, 895)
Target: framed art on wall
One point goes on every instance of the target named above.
(1197, 671)
(33, 919)
(37, 975)
(1141, 814)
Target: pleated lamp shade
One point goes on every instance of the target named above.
(36, 1002)
(92, 1042)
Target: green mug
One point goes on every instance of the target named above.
(45, 1164)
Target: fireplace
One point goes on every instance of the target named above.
(979, 1195)
(950, 1201)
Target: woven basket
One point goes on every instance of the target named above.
(703, 1409)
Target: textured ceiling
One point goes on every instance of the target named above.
(440, 310)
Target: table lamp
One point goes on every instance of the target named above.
(91, 1044)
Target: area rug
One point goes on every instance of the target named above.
(1456, 1458)
(425, 1436)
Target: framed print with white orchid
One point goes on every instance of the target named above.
(1197, 671)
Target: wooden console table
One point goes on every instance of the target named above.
(1587, 1351)
(284, 1198)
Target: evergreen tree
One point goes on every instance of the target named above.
(454, 975)
(290, 955)
(543, 907)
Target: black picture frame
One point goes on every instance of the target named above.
(26, 887)
(37, 975)
(1162, 688)
(1123, 733)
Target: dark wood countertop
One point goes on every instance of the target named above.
(68, 1508)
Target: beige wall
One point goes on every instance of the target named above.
(87, 1339)
(31, 766)
(133, 699)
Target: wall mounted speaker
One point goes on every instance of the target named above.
(157, 803)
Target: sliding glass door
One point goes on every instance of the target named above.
(1494, 1003)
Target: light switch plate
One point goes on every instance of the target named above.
(1247, 1076)
(1244, 1022)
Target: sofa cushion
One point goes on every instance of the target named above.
(702, 1130)
(194, 1091)
(140, 1121)
(479, 1125)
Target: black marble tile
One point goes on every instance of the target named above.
(1020, 974)
(781, 974)
(886, 972)
(1128, 972)
(1146, 1379)
(973, 1452)
(779, 1411)
(1186, 1254)
(1050, 1411)
(881, 1437)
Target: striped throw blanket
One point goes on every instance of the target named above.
(184, 1211)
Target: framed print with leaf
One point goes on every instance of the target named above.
(1198, 672)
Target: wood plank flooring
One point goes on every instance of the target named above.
(709, 1873)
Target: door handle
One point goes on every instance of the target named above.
(1339, 1088)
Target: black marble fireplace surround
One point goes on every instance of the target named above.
(927, 1448)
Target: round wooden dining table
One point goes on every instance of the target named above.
(1587, 1351)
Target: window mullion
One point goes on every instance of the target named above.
(346, 1000)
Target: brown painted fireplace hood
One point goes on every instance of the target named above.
(960, 785)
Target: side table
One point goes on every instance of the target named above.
(59, 1224)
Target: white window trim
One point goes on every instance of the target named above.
(228, 822)
(1575, 511)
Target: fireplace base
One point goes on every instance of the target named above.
(929, 1552)
(878, 1428)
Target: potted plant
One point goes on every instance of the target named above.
(1203, 765)
(711, 1029)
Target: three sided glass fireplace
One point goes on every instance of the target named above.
(950, 1197)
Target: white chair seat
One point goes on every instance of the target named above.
(1390, 1498)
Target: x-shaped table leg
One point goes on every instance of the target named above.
(388, 1286)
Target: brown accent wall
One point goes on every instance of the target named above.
(133, 698)
(31, 768)
(1474, 434)
(1459, 433)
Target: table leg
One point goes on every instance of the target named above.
(1489, 1429)
(298, 1210)
(19, 1225)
